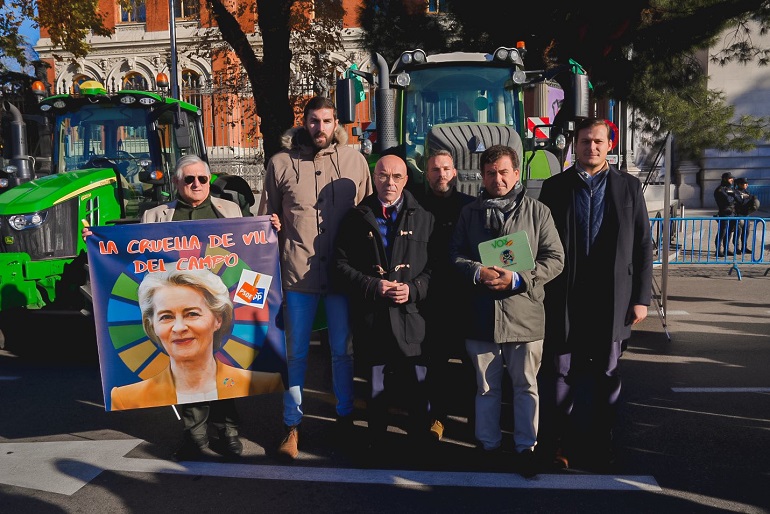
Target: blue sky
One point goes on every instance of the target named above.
(30, 33)
(32, 36)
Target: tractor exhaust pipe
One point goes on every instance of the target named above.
(20, 158)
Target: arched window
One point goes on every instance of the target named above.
(191, 87)
(136, 14)
(191, 79)
(136, 81)
(77, 80)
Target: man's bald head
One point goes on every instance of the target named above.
(390, 178)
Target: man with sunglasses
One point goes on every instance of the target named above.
(192, 179)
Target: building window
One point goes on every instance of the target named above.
(77, 80)
(438, 6)
(136, 14)
(187, 9)
(190, 79)
(135, 81)
(191, 88)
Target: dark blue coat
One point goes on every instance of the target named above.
(618, 274)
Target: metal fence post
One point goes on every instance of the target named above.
(665, 244)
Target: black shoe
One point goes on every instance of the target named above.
(526, 464)
(345, 425)
(191, 448)
(344, 433)
(494, 459)
(230, 445)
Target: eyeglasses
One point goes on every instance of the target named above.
(385, 178)
(189, 179)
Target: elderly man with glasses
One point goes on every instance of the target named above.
(383, 262)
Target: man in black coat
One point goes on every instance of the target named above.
(449, 386)
(724, 195)
(745, 205)
(383, 263)
(605, 288)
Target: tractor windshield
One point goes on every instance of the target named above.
(93, 132)
(457, 94)
(129, 137)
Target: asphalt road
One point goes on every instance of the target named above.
(693, 433)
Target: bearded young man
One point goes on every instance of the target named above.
(443, 306)
(310, 184)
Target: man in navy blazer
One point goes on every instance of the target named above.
(605, 288)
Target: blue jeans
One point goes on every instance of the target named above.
(300, 310)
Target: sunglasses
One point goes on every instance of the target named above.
(189, 179)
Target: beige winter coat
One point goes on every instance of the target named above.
(311, 193)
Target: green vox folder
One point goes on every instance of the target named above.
(511, 252)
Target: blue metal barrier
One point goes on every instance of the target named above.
(763, 195)
(698, 240)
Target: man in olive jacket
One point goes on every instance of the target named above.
(504, 327)
(383, 262)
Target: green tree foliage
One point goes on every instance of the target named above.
(68, 23)
(636, 51)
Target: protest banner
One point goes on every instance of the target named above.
(241, 252)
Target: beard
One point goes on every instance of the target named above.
(321, 141)
(441, 187)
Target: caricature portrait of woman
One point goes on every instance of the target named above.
(187, 314)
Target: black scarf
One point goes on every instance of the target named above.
(498, 208)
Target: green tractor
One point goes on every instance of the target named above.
(112, 156)
(465, 102)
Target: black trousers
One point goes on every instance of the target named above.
(451, 386)
(221, 414)
(397, 383)
(725, 236)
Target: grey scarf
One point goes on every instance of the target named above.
(498, 208)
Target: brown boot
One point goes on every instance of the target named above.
(290, 445)
(560, 461)
(437, 430)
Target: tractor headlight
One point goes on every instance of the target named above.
(501, 54)
(411, 57)
(27, 221)
(519, 77)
